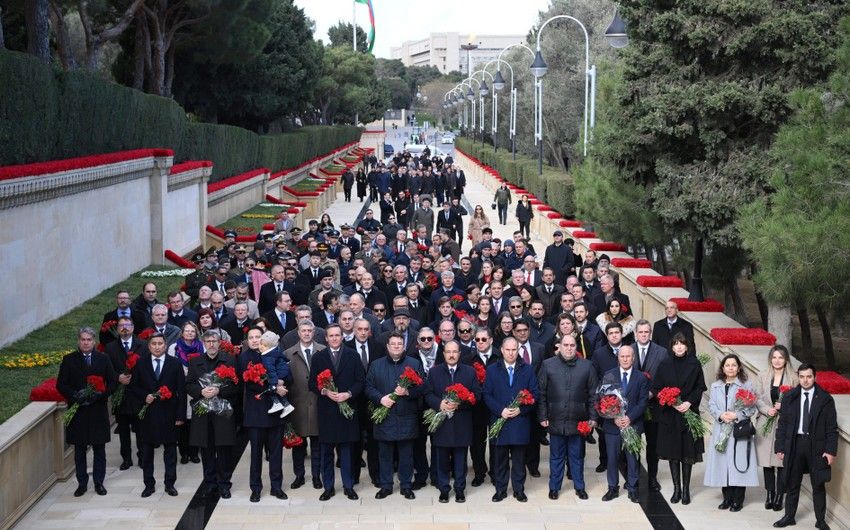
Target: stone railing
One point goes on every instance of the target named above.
(649, 303)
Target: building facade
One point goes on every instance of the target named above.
(444, 51)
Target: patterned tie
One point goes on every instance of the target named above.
(625, 380)
(452, 374)
(510, 376)
(88, 363)
(156, 370)
(526, 358)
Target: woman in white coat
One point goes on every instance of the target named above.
(736, 467)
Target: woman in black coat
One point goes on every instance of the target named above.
(362, 183)
(402, 208)
(675, 442)
(524, 214)
(386, 204)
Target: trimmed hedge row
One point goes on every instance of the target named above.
(554, 187)
(50, 114)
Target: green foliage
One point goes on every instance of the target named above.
(348, 87)
(46, 114)
(340, 35)
(800, 234)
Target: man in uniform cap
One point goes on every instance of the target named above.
(197, 279)
(211, 259)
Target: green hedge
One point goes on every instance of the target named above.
(554, 187)
(50, 114)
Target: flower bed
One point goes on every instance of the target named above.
(608, 246)
(709, 305)
(833, 382)
(584, 234)
(189, 166)
(46, 391)
(631, 263)
(553, 215)
(570, 223)
(31, 360)
(70, 164)
(743, 336)
(659, 281)
(235, 179)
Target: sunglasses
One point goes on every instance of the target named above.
(481, 339)
(465, 330)
(425, 339)
(515, 306)
(374, 310)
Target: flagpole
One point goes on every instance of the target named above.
(354, 23)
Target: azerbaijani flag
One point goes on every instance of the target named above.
(371, 21)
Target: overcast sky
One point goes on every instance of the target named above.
(399, 20)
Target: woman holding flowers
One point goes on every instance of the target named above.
(188, 346)
(770, 387)
(676, 442)
(731, 462)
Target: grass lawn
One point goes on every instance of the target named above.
(61, 335)
(245, 226)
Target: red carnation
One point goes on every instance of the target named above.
(523, 397)
(480, 372)
(226, 373)
(409, 378)
(325, 380)
(163, 394)
(584, 428)
(97, 383)
(456, 393)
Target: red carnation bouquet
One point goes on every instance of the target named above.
(456, 300)
(95, 386)
(163, 394)
(431, 281)
(456, 393)
(480, 372)
(612, 405)
(230, 348)
(256, 373)
(768, 425)
(221, 376)
(407, 379)
(118, 395)
(46, 391)
(669, 396)
(523, 397)
(744, 399)
(146, 333)
(325, 380)
(291, 438)
(584, 428)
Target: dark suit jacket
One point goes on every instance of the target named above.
(661, 334)
(268, 293)
(115, 351)
(187, 315)
(454, 222)
(457, 430)
(349, 377)
(592, 338)
(275, 325)
(139, 318)
(655, 354)
(823, 430)
(537, 354)
(255, 412)
(603, 360)
(223, 427)
(353, 243)
(597, 301)
(375, 349)
(90, 425)
(320, 319)
(158, 425)
(498, 394)
(636, 395)
(551, 302)
(231, 326)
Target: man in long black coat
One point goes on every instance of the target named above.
(336, 432)
(125, 416)
(214, 433)
(90, 425)
(666, 328)
(163, 416)
(454, 437)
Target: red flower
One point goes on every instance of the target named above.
(784, 388)
(130, 362)
(108, 326)
(609, 406)
(456, 299)
(584, 428)
(229, 348)
(411, 377)
(145, 335)
(193, 356)
(291, 438)
(97, 383)
(225, 373)
(525, 398)
(46, 391)
(164, 393)
(100, 347)
(325, 380)
(745, 398)
(669, 395)
(255, 373)
(480, 372)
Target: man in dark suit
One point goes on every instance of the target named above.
(447, 289)
(349, 240)
(269, 291)
(236, 324)
(214, 433)
(533, 276)
(605, 359)
(145, 302)
(648, 357)
(159, 324)
(454, 436)
(503, 383)
(336, 431)
(125, 417)
(590, 337)
(90, 424)
(329, 312)
(607, 292)
(163, 416)
(178, 314)
(449, 219)
(666, 328)
(588, 280)
(550, 293)
(486, 356)
(281, 320)
(122, 309)
(807, 442)
(417, 306)
(634, 387)
(531, 353)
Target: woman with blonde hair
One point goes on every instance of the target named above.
(477, 224)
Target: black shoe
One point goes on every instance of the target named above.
(633, 496)
(779, 502)
(581, 494)
(677, 496)
(735, 507)
(499, 496)
(460, 497)
(383, 493)
(544, 441)
(601, 468)
(785, 521)
(418, 485)
(534, 473)
(148, 491)
(350, 493)
(768, 503)
(326, 495)
(184, 459)
(520, 497)
(611, 494)
(654, 485)
(297, 483)
(80, 491)
(553, 494)
(255, 496)
(478, 480)
(279, 494)
(224, 493)
(444, 497)
(821, 525)
(171, 490)
(317, 483)
(195, 459)
(724, 505)
(99, 489)
(408, 494)
(125, 465)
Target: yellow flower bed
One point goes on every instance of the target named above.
(257, 216)
(32, 360)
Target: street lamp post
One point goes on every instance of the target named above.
(483, 90)
(513, 97)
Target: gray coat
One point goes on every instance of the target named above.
(565, 394)
(720, 468)
(423, 217)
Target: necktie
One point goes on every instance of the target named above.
(156, 369)
(528, 277)
(642, 355)
(330, 318)
(126, 346)
(160, 330)
(335, 355)
(363, 355)
(669, 325)
(549, 290)
(315, 274)
(88, 362)
(452, 374)
(510, 376)
(413, 304)
(806, 413)
(526, 358)
(625, 380)
(221, 287)
(308, 356)
(279, 287)
(283, 321)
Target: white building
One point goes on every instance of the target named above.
(443, 50)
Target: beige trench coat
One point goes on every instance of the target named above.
(764, 443)
(305, 417)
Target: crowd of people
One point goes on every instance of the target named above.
(363, 330)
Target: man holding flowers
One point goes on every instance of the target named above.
(124, 354)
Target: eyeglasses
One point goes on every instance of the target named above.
(425, 339)
(465, 330)
(515, 306)
(376, 310)
(481, 339)
(520, 330)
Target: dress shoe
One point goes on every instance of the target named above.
(99, 489)
(408, 493)
(724, 505)
(735, 507)
(785, 521)
(255, 496)
(590, 439)
(297, 483)
(195, 459)
(821, 525)
(534, 473)
(171, 490)
(460, 497)
(418, 485)
(611, 494)
(633, 496)
(444, 497)
(601, 468)
(581, 494)
(279, 494)
(184, 459)
(350, 493)
(654, 485)
(544, 441)
(125, 465)
(317, 483)
(553, 494)
(148, 491)
(225, 493)
(326, 495)
(383, 493)
(521, 497)
(80, 491)
(499, 496)
(477, 480)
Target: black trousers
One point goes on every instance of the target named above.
(98, 463)
(422, 469)
(126, 425)
(524, 227)
(513, 456)
(532, 452)
(386, 451)
(299, 455)
(367, 442)
(272, 438)
(651, 429)
(169, 460)
(774, 479)
(798, 464)
(478, 449)
(216, 462)
(603, 449)
(450, 461)
(347, 192)
(186, 450)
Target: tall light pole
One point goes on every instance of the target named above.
(513, 99)
(483, 90)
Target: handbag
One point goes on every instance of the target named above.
(742, 430)
(493, 206)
